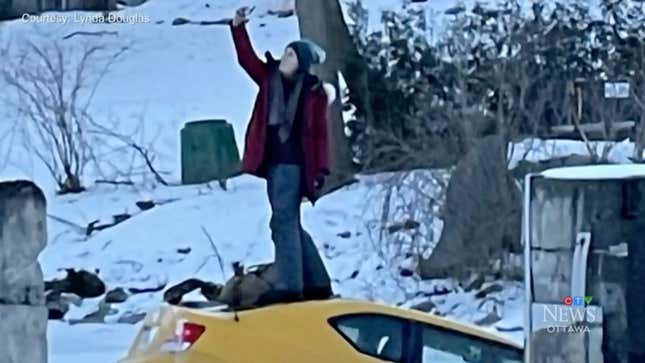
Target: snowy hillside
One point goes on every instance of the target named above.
(171, 75)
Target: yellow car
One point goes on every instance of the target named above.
(335, 330)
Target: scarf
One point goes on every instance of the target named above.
(282, 112)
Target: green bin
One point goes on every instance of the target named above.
(208, 152)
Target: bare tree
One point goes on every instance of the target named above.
(493, 104)
(637, 93)
(53, 94)
(639, 96)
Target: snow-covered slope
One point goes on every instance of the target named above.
(171, 75)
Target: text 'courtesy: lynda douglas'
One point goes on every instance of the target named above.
(86, 18)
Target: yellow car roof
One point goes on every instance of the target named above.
(326, 309)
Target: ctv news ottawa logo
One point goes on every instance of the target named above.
(577, 300)
(575, 316)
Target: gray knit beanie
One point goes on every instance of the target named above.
(308, 53)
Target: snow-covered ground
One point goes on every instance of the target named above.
(89, 343)
(171, 75)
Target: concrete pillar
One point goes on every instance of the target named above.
(23, 234)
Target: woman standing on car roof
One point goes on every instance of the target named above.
(286, 143)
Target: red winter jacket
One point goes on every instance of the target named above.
(314, 139)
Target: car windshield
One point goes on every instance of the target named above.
(446, 346)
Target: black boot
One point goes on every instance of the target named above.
(174, 294)
(279, 296)
(317, 293)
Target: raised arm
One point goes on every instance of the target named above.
(246, 56)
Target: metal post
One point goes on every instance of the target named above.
(526, 236)
(579, 267)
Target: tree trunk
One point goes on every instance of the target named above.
(640, 137)
(482, 217)
(322, 21)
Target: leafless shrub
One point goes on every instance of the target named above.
(132, 146)
(403, 215)
(53, 92)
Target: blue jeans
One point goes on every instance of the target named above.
(297, 263)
